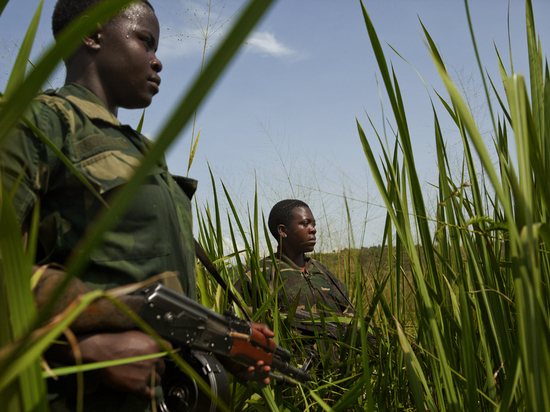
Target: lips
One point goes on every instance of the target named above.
(154, 81)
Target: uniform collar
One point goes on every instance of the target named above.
(285, 259)
(88, 102)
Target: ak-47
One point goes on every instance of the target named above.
(199, 331)
(306, 324)
(187, 325)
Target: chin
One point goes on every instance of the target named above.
(139, 102)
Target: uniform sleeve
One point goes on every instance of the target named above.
(25, 163)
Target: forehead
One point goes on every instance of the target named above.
(302, 212)
(136, 14)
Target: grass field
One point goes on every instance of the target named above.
(460, 313)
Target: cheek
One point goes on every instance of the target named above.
(133, 54)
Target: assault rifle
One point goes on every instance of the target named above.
(309, 325)
(306, 324)
(198, 331)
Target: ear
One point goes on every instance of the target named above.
(282, 231)
(92, 42)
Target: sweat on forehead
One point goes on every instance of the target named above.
(66, 11)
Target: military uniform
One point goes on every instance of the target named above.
(153, 237)
(314, 286)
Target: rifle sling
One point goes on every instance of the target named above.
(207, 263)
(331, 280)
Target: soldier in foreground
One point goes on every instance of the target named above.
(114, 67)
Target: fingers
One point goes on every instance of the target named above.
(145, 394)
(137, 378)
(262, 327)
(259, 373)
(160, 367)
(146, 391)
(168, 344)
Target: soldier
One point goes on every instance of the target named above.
(114, 67)
(293, 226)
(304, 279)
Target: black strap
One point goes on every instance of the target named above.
(207, 263)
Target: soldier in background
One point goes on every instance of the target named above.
(292, 224)
(307, 282)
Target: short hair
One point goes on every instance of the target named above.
(66, 11)
(282, 214)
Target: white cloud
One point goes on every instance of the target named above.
(265, 42)
(178, 43)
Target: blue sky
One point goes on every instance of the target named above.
(283, 116)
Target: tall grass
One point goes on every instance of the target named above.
(481, 280)
(459, 312)
(477, 337)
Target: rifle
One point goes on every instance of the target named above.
(306, 323)
(310, 325)
(199, 331)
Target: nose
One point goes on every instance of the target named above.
(313, 230)
(156, 64)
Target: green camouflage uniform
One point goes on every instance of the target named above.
(315, 287)
(153, 237)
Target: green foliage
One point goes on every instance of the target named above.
(481, 283)
(460, 313)
(462, 309)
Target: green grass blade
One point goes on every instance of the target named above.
(3, 5)
(20, 66)
(15, 271)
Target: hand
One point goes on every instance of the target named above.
(259, 372)
(132, 377)
(262, 327)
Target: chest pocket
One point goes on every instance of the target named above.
(141, 233)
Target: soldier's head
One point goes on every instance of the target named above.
(292, 224)
(117, 63)
(66, 11)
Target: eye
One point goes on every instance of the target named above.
(148, 41)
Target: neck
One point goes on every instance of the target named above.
(84, 75)
(299, 259)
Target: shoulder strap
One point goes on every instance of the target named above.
(324, 272)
